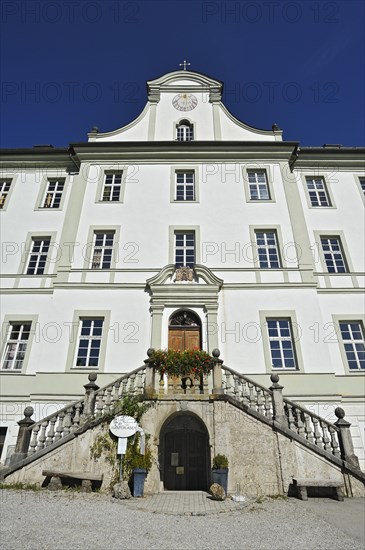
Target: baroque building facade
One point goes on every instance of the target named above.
(186, 229)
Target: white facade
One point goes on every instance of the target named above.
(135, 293)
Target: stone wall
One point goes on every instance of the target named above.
(261, 461)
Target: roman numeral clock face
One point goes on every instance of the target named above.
(185, 102)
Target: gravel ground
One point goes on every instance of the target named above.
(54, 521)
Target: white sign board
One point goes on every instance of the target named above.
(123, 426)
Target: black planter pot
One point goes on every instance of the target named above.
(220, 476)
(139, 475)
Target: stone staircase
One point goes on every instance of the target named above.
(331, 441)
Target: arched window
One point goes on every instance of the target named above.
(184, 131)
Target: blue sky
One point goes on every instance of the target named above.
(69, 65)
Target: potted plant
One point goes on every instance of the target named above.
(136, 466)
(220, 471)
(182, 363)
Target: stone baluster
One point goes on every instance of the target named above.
(77, 417)
(51, 431)
(100, 403)
(90, 396)
(132, 379)
(23, 438)
(325, 437)
(267, 405)
(115, 396)
(251, 396)
(67, 422)
(278, 402)
(42, 436)
(124, 386)
(108, 399)
(334, 441)
(59, 427)
(217, 373)
(300, 423)
(236, 388)
(317, 433)
(34, 440)
(308, 428)
(291, 419)
(345, 439)
(245, 395)
(260, 402)
(205, 381)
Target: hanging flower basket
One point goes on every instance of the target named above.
(182, 363)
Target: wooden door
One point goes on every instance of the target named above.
(181, 339)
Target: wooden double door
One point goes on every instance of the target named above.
(184, 338)
(185, 455)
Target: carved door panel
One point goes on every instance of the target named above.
(192, 339)
(184, 338)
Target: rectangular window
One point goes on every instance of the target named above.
(184, 249)
(102, 250)
(317, 190)
(53, 195)
(185, 186)
(267, 248)
(4, 190)
(89, 342)
(333, 255)
(281, 344)
(16, 346)
(111, 188)
(257, 181)
(352, 333)
(38, 255)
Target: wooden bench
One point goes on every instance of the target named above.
(85, 477)
(302, 485)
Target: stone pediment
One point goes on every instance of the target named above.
(185, 81)
(169, 275)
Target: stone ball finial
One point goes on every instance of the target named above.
(339, 412)
(274, 378)
(216, 353)
(28, 411)
(92, 376)
(150, 351)
(95, 129)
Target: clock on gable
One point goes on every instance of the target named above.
(185, 102)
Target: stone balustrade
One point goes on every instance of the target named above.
(97, 402)
(267, 403)
(247, 392)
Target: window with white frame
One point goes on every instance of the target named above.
(281, 344)
(53, 194)
(185, 186)
(184, 248)
(102, 250)
(184, 131)
(4, 191)
(89, 343)
(333, 255)
(352, 333)
(317, 191)
(16, 345)
(267, 249)
(112, 187)
(38, 255)
(257, 181)
(362, 184)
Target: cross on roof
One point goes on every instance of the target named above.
(184, 64)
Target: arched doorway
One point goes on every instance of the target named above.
(184, 331)
(184, 454)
